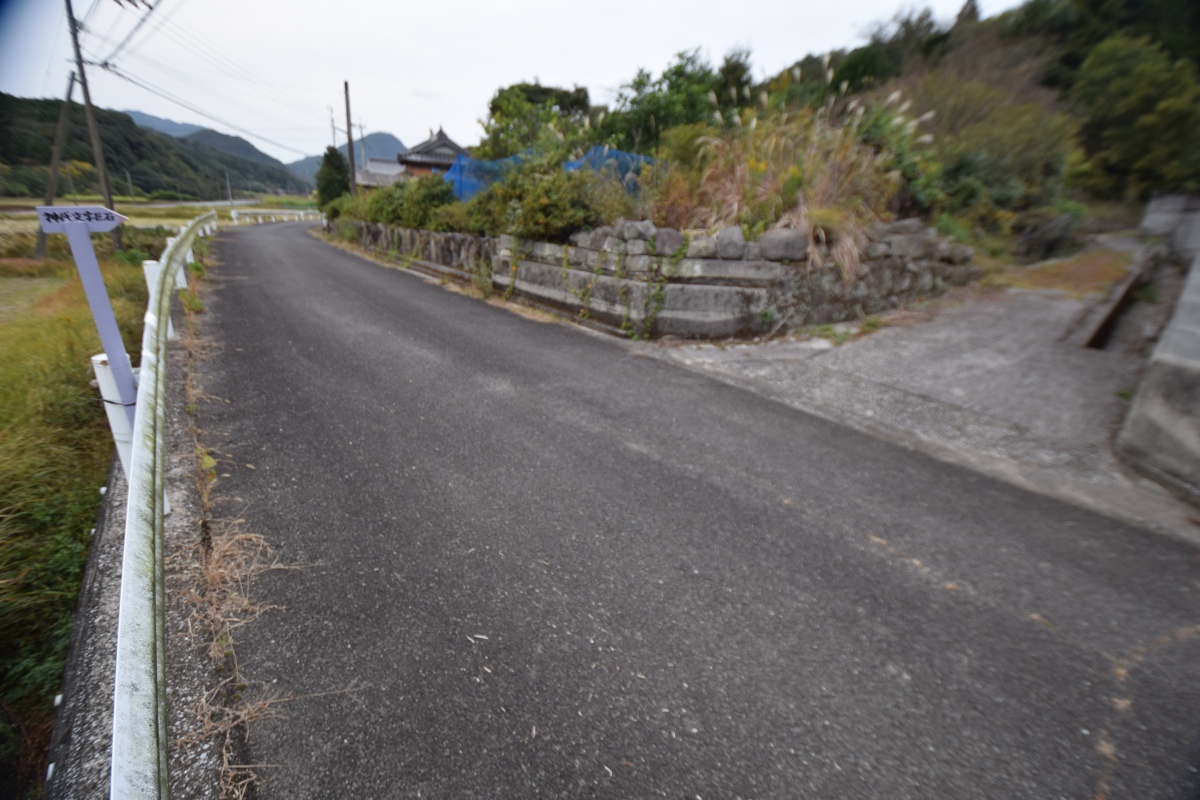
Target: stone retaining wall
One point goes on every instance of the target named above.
(461, 252)
(649, 281)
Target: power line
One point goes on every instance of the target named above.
(203, 93)
(53, 47)
(149, 10)
(188, 41)
(90, 11)
(164, 95)
(193, 86)
(234, 72)
(214, 56)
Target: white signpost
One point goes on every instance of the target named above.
(77, 223)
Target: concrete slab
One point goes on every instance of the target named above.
(987, 383)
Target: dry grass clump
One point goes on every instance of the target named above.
(221, 568)
(809, 170)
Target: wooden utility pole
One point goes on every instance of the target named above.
(93, 131)
(60, 138)
(349, 140)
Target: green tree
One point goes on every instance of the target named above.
(865, 67)
(1137, 107)
(529, 115)
(333, 176)
(734, 80)
(647, 106)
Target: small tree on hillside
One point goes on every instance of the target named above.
(333, 177)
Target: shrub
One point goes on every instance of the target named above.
(540, 201)
(1001, 146)
(348, 206)
(410, 204)
(454, 218)
(548, 205)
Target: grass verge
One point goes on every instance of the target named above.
(55, 450)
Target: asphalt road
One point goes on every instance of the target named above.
(537, 564)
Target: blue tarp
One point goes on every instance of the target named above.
(625, 166)
(470, 176)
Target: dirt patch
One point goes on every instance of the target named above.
(1090, 272)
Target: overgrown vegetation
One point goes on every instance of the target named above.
(990, 129)
(829, 173)
(55, 450)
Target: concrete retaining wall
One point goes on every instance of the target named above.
(1161, 435)
(1176, 217)
(647, 281)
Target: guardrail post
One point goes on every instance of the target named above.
(150, 270)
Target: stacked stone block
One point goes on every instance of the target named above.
(642, 279)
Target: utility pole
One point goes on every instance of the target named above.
(349, 140)
(60, 137)
(129, 181)
(93, 131)
(332, 129)
(362, 140)
(228, 187)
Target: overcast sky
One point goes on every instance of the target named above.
(275, 69)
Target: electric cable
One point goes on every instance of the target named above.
(166, 96)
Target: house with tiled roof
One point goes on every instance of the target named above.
(378, 172)
(435, 154)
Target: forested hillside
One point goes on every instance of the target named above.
(168, 126)
(154, 162)
(233, 145)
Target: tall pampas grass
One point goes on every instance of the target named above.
(807, 171)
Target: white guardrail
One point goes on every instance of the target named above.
(258, 217)
(139, 737)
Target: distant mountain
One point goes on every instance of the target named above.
(234, 145)
(153, 161)
(378, 145)
(167, 126)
